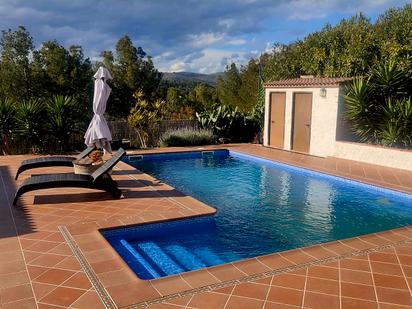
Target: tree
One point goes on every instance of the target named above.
(173, 98)
(240, 88)
(393, 31)
(15, 68)
(347, 49)
(250, 83)
(228, 86)
(132, 70)
(57, 70)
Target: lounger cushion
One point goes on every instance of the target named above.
(63, 179)
(46, 160)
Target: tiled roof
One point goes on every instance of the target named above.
(308, 82)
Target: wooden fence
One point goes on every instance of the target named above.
(122, 133)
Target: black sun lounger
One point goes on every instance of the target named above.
(99, 180)
(51, 161)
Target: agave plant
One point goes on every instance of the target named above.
(360, 109)
(7, 124)
(62, 118)
(31, 121)
(389, 80)
(396, 129)
(379, 106)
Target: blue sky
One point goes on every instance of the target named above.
(182, 35)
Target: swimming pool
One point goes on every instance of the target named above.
(262, 207)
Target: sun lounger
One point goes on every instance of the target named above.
(51, 161)
(99, 180)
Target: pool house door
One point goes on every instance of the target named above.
(277, 119)
(302, 112)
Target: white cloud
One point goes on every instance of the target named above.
(205, 39)
(177, 67)
(208, 39)
(227, 23)
(237, 42)
(212, 60)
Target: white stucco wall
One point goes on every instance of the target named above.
(323, 123)
(389, 157)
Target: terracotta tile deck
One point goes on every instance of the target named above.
(53, 255)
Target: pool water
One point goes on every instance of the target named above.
(262, 207)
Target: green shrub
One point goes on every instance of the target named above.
(187, 137)
(63, 119)
(31, 119)
(7, 124)
(379, 107)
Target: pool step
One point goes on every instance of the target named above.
(146, 271)
(207, 256)
(159, 259)
(188, 260)
(153, 260)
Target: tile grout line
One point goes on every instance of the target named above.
(373, 281)
(100, 290)
(49, 268)
(284, 257)
(230, 295)
(340, 285)
(268, 292)
(307, 253)
(17, 235)
(187, 305)
(58, 306)
(403, 273)
(63, 286)
(396, 232)
(186, 281)
(304, 288)
(331, 251)
(210, 273)
(261, 263)
(238, 269)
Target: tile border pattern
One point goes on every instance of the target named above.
(101, 292)
(109, 304)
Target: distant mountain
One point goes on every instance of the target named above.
(210, 79)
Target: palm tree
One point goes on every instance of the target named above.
(31, 120)
(379, 107)
(62, 118)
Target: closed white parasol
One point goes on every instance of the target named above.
(98, 133)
